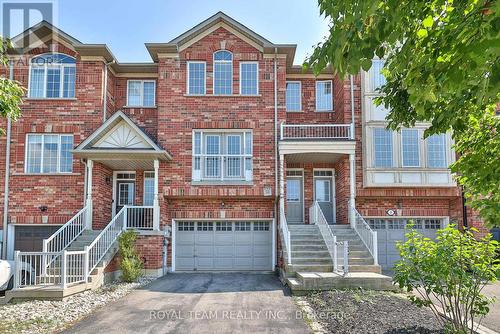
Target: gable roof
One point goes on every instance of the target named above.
(217, 20)
(137, 140)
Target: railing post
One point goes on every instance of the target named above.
(289, 244)
(88, 213)
(44, 258)
(125, 217)
(63, 269)
(281, 130)
(375, 248)
(346, 258)
(335, 255)
(17, 267)
(86, 264)
(156, 204)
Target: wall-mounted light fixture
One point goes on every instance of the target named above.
(109, 179)
(43, 208)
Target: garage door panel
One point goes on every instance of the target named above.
(204, 263)
(243, 238)
(262, 251)
(223, 238)
(243, 250)
(243, 263)
(204, 238)
(262, 263)
(223, 263)
(185, 263)
(205, 250)
(185, 237)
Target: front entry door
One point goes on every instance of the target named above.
(324, 195)
(294, 200)
(125, 194)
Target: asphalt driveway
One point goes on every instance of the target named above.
(201, 303)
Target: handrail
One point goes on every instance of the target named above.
(316, 131)
(366, 234)
(317, 216)
(67, 233)
(100, 246)
(286, 236)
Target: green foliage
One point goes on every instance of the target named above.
(449, 273)
(442, 67)
(130, 264)
(11, 92)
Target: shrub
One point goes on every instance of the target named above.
(130, 264)
(449, 274)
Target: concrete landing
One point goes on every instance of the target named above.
(309, 281)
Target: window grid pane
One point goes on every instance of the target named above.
(34, 154)
(293, 96)
(410, 147)
(50, 150)
(383, 147)
(248, 77)
(324, 95)
(149, 94)
(37, 81)
(196, 81)
(134, 93)
(436, 151)
(66, 159)
(376, 79)
(223, 78)
(69, 82)
(49, 153)
(53, 82)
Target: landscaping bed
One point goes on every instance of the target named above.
(39, 316)
(362, 311)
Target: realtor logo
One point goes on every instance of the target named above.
(18, 16)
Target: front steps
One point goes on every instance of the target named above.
(312, 267)
(55, 292)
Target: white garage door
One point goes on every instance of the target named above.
(223, 246)
(392, 230)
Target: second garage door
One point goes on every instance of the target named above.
(223, 246)
(392, 230)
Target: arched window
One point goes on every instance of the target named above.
(223, 73)
(52, 75)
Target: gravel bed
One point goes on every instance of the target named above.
(39, 316)
(362, 311)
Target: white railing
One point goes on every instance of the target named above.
(140, 217)
(64, 236)
(316, 131)
(366, 234)
(105, 240)
(286, 236)
(317, 217)
(49, 268)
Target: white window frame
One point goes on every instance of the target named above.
(316, 95)
(213, 71)
(144, 185)
(199, 175)
(446, 150)
(393, 165)
(257, 78)
(300, 95)
(204, 76)
(46, 66)
(142, 94)
(419, 148)
(59, 146)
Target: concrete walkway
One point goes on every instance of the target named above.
(201, 303)
(492, 320)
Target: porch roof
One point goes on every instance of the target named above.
(120, 144)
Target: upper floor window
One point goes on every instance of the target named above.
(436, 151)
(382, 141)
(141, 93)
(293, 96)
(324, 97)
(196, 77)
(249, 78)
(49, 153)
(219, 156)
(52, 76)
(410, 147)
(375, 78)
(223, 73)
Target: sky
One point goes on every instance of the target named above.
(126, 25)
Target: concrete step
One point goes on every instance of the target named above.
(340, 227)
(306, 281)
(308, 268)
(308, 242)
(310, 261)
(368, 268)
(308, 247)
(308, 253)
(306, 236)
(358, 260)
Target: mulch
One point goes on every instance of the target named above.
(361, 311)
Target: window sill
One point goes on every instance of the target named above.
(294, 111)
(222, 183)
(50, 98)
(140, 107)
(324, 111)
(46, 174)
(216, 95)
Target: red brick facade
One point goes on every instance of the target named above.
(171, 123)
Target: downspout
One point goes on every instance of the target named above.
(352, 162)
(276, 155)
(84, 162)
(105, 103)
(7, 174)
(352, 107)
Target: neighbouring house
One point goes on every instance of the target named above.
(220, 151)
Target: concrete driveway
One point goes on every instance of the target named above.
(201, 303)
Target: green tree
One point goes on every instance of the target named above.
(11, 92)
(448, 275)
(441, 65)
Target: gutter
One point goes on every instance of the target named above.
(7, 174)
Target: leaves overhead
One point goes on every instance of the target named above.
(442, 66)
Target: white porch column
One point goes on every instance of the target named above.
(88, 204)
(352, 194)
(282, 184)
(156, 202)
